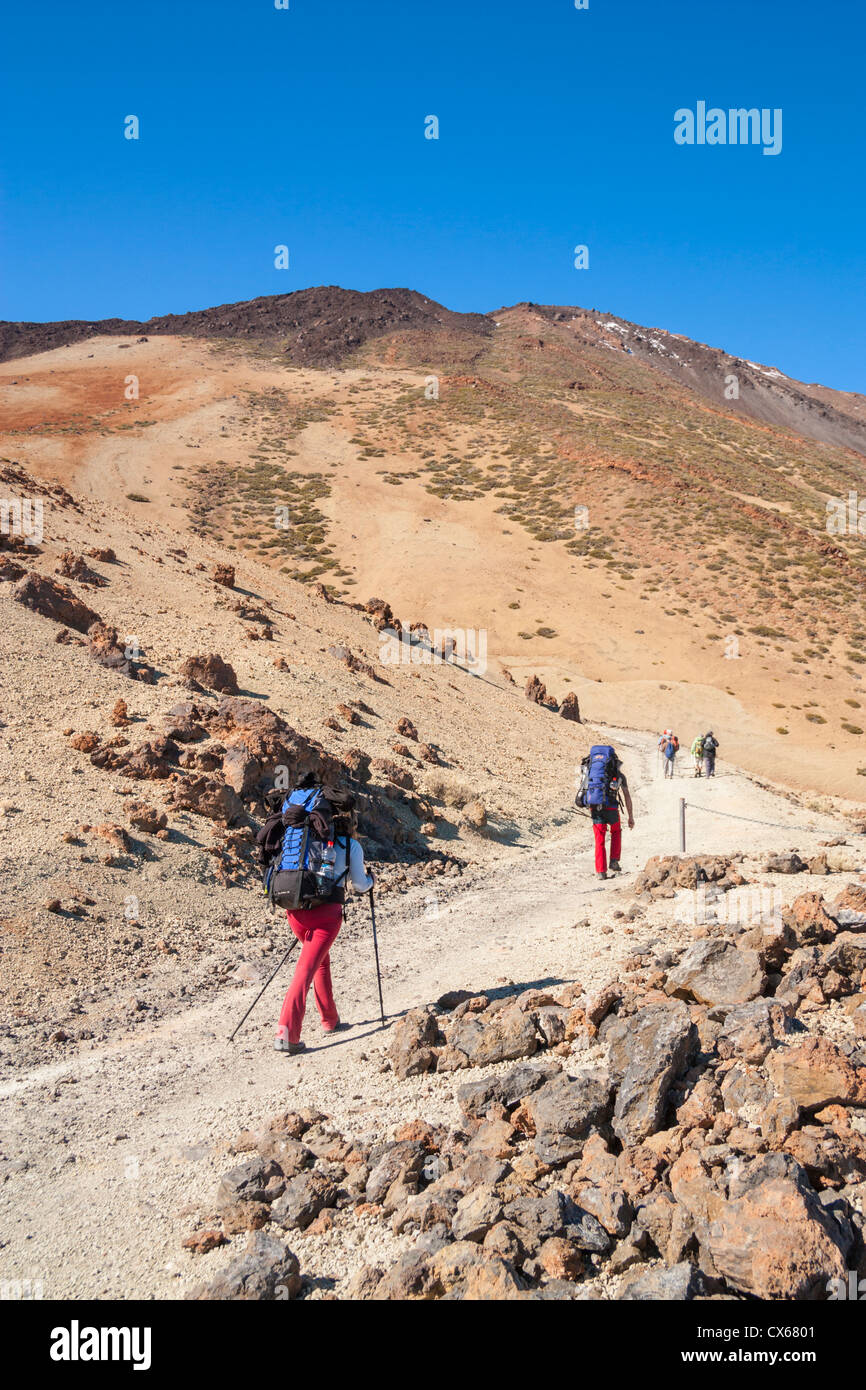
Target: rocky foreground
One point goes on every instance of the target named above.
(694, 1130)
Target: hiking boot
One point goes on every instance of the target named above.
(282, 1044)
(615, 866)
(603, 874)
(337, 1028)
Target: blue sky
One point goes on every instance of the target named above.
(306, 127)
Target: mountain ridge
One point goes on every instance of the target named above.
(323, 326)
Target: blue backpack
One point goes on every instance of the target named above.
(302, 874)
(600, 780)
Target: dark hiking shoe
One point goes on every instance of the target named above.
(282, 1044)
(337, 1028)
(615, 866)
(601, 875)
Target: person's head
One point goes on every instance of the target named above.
(343, 806)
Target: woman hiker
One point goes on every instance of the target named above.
(316, 928)
(602, 785)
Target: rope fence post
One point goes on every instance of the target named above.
(682, 825)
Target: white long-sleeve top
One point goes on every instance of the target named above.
(357, 875)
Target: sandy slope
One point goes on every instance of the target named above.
(633, 656)
(124, 1142)
(449, 563)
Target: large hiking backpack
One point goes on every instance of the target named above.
(710, 746)
(302, 872)
(699, 746)
(600, 779)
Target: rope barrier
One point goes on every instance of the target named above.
(753, 820)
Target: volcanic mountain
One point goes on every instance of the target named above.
(642, 519)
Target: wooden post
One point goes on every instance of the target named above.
(682, 825)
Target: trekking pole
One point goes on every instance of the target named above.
(376, 952)
(231, 1036)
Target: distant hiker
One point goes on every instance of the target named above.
(602, 784)
(697, 751)
(669, 745)
(710, 749)
(315, 856)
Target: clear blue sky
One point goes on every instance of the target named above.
(306, 127)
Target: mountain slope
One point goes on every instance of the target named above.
(602, 517)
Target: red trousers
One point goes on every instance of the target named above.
(316, 928)
(615, 844)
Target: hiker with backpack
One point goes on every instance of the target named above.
(669, 745)
(311, 854)
(697, 751)
(602, 785)
(710, 748)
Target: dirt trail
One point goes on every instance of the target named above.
(119, 1140)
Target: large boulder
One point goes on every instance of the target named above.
(55, 601)
(72, 566)
(789, 863)
(397, 1163)
(385, 770)
(536, 692)
(648, 1052)
(501, 1037)
(244, 723)
(714, 971)
(248, 1182)
(145, 817)
(209, 670)
(241, 771)
(476, 1213)
(570, 708)
(849, 908)
(814, 1073)
(561, 1113)
(266, 1271)
(104, 647)
(462, 1271)
(664, 874)
(808, 920)
(772, 1238)
(305, 1196)
(750, 1031)
(413, 1039)
(206, 796)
